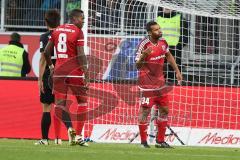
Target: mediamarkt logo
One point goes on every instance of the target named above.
(215, 139)
(113, 134)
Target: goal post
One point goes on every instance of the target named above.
(84, 7)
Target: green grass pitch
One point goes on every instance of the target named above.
(15, 149)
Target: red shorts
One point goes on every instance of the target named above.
(150, 98)
(76, 85)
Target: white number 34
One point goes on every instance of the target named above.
(144, 100)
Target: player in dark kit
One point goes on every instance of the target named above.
(70, 71)
(52, 20)
(152, 52)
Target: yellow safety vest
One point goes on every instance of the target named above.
(170, 28)
(73, 5)
(11, 61)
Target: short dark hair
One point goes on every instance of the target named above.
(52, 18)
(75, 13)
(149, 24)
(15, 37)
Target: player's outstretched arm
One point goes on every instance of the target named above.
(172, 62)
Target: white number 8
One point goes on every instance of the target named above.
(62, 45)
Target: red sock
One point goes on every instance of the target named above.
(143, 131)
(57, 126)
(81, 117)
(162, 124)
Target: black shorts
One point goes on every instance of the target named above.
(46, 97)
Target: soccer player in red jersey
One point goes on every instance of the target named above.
(70, 71)
(150, 56)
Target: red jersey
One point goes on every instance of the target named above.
(151, 74)
(66, 38)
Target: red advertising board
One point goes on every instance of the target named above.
(212, 108)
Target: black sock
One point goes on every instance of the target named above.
(66, 119)
(45, 124)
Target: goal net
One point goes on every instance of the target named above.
(205, 45)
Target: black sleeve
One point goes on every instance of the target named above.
(42, 43)
(26, 68)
